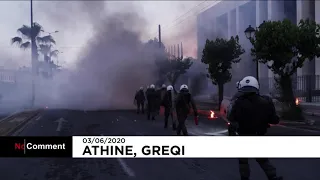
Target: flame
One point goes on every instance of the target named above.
(212, 114)
(297, 101)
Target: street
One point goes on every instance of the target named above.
(129, 123)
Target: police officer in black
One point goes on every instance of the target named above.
(161, 92)
(251, 114)
(183, 102)
(152, 97)
(167, 103)
(140, 99)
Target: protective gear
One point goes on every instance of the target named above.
(249, 81)
(152, 97)
(273, 117)
(183, 86)
(167, 102)
(170, 88)
(161, 92)
(242, 89)
(141, 88)
(233, 99)
(152, 86)
(182, 104)
(250, 116)
(140, 99)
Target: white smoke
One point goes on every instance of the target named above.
(110, 68)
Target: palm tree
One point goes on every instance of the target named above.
(48, 53)
(27, 33)
(46, 50)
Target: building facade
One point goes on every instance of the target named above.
(230, 18)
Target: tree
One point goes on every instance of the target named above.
(219, 56)
(172, 69)
(284, 47)
(177, 67)
(48, 53)
(28, 35)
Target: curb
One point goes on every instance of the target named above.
(10, 116)
(27, 119)
(312, 114)
(208, 104)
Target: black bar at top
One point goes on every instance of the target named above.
(20, 146)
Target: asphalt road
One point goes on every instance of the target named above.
(129, 123)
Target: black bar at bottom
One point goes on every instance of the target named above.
(36, 146)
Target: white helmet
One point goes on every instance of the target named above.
(141, 88)
(183, 86)
(249, 81)
(238, 84)
(152, 86)
(169, 88)
(163, 86)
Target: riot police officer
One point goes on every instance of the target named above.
(167, 103)
(183, 102)
(140, 99)
(251, 114)
(161, 92)
(152, 98)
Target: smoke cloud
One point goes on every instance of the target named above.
(112, 66)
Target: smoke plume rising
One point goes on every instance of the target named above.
(111, 67)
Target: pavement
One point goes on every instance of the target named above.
(311, 113)
(110, 123)
(309, 108)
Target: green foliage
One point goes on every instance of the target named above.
(219, 56)
(41, 44)
(172, 69)
(25, 38)
(177, 67)
(167, 68)
(285, 46)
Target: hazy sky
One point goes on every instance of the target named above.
(74, 34)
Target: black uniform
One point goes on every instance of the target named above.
(168, 107)
(161, 92)
(152, 97)
(183, 102)
(252, 114)
(140, 99)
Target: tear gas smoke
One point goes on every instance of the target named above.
(111, 67)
